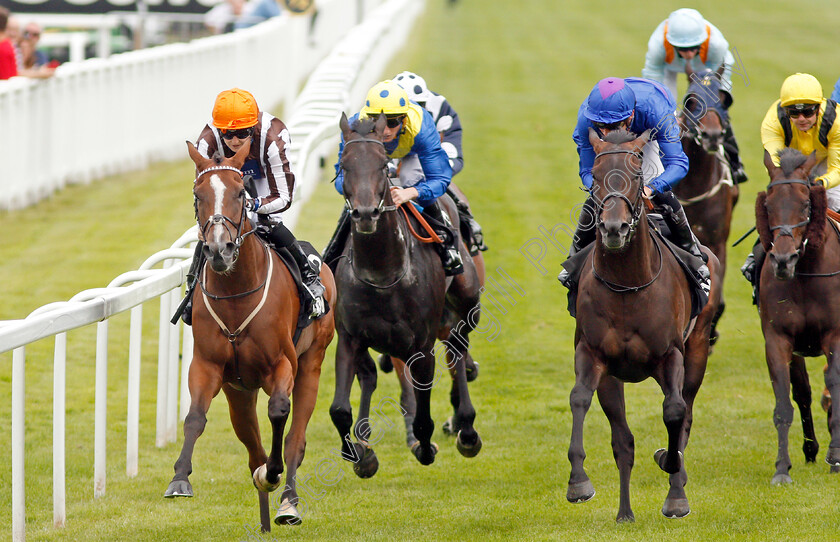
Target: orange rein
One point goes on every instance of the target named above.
(833, 215)
(433, 237)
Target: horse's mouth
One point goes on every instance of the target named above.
(365, 228)
(220, 264)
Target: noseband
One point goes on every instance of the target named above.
(787, 229)
(222, 219)
(635, 206)
(381, 207)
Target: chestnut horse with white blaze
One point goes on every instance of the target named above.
(245, 287)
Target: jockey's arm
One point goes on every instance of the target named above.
(437, 173)
(278, 171)
(772, 135)
(655, 58)
(832, 175)
(585, 151)
(673, 159)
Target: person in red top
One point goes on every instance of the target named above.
(8, 64)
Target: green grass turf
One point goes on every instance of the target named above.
(517, 73)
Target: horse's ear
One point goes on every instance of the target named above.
(242, 154)
(771, 167)
(720, 71)
(762, 221)
(199, 161)
(379, 127)
(641, 141)
(344, 125)
(810, 163)
(595, 141)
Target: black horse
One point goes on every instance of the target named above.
(394, 298)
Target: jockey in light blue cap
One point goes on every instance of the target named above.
(636, 105)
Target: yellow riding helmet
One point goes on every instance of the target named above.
(385, 97)
(235, 109)
(801, 88)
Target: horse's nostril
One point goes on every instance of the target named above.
(375, 214)
(355, 215)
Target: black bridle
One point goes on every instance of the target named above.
(786, 230)
(635, 206)
(381, 207)
(222, 219)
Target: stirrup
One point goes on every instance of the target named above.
(452, 262)
(748, 269)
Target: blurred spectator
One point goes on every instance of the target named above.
(34, 62)
(13, 33)
(232, 15)
(836, 94)
(8, 64)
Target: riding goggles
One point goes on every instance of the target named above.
(803, 110)
(694, 49)
(609, 125)
(243, 133)
(393, 122)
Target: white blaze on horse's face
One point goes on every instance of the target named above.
(219, 192)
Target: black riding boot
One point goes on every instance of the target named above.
(752, 267)
(185, 308)
(339, 238)
(584, 234)
(674, 216)
(448, 250)
(730, 147)
(315, 305)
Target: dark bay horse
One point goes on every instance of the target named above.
(633, 323)
(246, 287)
(707, 192)
(799, 316)
(394, 298)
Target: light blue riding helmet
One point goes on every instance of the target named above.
(610, 101)
(686, 28)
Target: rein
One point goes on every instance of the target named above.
(620, 288)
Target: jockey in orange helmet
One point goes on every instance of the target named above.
(237, 121)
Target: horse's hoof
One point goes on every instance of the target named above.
(468, 450)
(580, 492)
(178, 488)
(661, 458)
(781, 478)
(368, 464)
(425, 458)
(810, 448)
(261, 481)
(287, 514)
(472, 372)
(676, 508)
(448, 427)
(385, 363)
(834, 469)
(833, 457)
(625, 518)
(825, 400)
(713, 337)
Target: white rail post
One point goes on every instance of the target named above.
(132, 423)
(174, 365)
(18, 447)
(100, 408)
(163, 370)
(59, 415)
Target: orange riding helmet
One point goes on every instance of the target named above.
(235, 109)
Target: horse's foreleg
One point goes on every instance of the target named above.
(671, 378)
(779, 353)
(588, 374)
(366, 373)
(801, 387)
(205, 380)
(242, 406)
(421, 371)
(305, 393)
(341, 411)
(407, 400)
(611, 397)
(832, 384)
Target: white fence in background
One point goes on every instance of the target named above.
(337, 84)
(105, 116)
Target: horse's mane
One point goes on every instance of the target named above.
(619, 136)
(790, 159)
(218, 156)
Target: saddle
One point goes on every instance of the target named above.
(314, 259)
(688, 263)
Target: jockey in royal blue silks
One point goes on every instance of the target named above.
(636, 105)
(409, 129)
